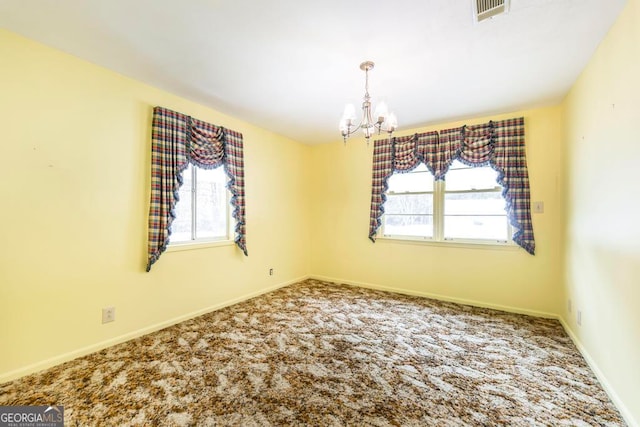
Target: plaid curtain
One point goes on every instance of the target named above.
(497, 144)
(509, 159)
(177, 140)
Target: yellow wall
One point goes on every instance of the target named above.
(74, 180)
(601, 116)
(510, 279)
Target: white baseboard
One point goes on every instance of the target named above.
(56, 360)
(624, 411)
(439, 297)
(65, 357)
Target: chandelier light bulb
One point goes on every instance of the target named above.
(349, 113)
(343, 125)
(393, 123)
(369, 131)
(382, 112)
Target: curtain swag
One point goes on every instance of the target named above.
(497, 144)
(176, 141)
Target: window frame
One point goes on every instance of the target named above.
(432, 192)
(205, 242)
(439, 192)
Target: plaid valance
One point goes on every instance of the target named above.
(176, 141)
(497, 144)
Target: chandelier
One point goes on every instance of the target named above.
(383, 122)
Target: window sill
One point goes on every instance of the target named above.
(189, 246)
(450, 244)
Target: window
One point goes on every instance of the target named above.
(202, 212)
(178, 140)
(469, 206)
(409, 206)
(466, 207)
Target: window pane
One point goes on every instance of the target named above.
(463, 177)
(476, 227)
(409, 204)
(181, 225)
(408, 225)
(211, 202)
(489, 203)
(420, 179)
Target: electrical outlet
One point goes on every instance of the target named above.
(579, 318)
(108, 314)
(569, 305)
(271, 272)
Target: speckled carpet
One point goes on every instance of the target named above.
(320, 354)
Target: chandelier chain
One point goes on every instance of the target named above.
(366, 83)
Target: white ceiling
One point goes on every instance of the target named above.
(290, 65)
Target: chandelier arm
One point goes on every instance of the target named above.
(355, 129)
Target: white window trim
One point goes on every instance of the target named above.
(438, 238)
(200, 244)
(209, 242)
(475, 244)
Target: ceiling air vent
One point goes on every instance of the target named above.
(485, 9)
